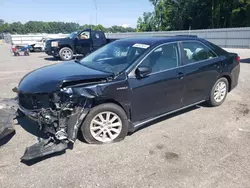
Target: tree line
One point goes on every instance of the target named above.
(195, 14)
(167, 15)
(55, 27)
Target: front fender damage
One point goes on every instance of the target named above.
(62, 122)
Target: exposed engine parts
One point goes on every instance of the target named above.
(60, 122)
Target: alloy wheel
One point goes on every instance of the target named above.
(106, 126)
(220, 91)
(66, 54)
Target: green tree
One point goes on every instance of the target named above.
(55, 27)
(197, 14)
(100, 28)
(1, 21)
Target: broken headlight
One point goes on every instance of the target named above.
(68, 91)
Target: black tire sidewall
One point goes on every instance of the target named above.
(61, 56)
(85, 128)
(211, 101)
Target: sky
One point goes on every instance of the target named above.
(109, 12)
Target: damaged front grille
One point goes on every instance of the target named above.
(34, 101)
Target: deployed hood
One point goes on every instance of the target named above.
(49, 79)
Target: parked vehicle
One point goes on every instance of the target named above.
(78, 42)
(38, 46)
(122, 86)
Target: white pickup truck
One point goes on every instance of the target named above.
(38, 46)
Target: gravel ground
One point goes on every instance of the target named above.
(199, 147)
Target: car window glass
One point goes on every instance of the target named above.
(162, 58)
(85, 35)
(97, 35)
(195, 51)
(115, 56)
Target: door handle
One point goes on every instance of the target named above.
(217, 66)
(180, 75)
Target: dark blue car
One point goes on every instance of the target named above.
(124, 85)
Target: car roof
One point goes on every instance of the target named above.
(152, 40)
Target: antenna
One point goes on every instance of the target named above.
(95, 3)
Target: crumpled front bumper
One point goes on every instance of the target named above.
(29, 113)
(7, 113)
(53, 144)
(6, 122)
(60, 119)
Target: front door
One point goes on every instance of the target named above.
(201, 68)
(162, 90)
(83, 43)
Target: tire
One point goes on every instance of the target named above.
(66, 54)
(113, 109)
(212, 98)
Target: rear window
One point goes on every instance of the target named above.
(218, 50)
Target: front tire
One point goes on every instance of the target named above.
(105, 123)
(218, 93)
(66, 54)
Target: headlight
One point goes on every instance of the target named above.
(67, 90)
(54, 44)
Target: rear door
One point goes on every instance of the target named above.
(98, 39)
(162, 90)
(83, 43)
(201, 68)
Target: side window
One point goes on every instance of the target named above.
(85, 35)
(162, 58)
(195, 51)
(97, 35)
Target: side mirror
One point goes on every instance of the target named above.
(143, 71)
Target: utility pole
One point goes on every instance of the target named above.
(95, 3)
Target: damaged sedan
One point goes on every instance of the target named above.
(122, 86)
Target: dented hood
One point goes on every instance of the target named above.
(49, 78)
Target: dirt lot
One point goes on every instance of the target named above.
(200, 147)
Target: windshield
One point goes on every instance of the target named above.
(72, 35)
(115, 57)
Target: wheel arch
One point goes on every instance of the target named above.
(68, 46)
(97, 102)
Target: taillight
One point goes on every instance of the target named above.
(238, 59)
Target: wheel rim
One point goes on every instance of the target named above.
(220, 91)
(105, 126)
(66, 54)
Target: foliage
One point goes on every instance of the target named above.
(1, 21)
(197, 14)
(54, 27)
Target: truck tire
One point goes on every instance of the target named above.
(66, 54)
(105, 123)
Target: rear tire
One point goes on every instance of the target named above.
(113, 131)
(66, 54)
(218, 93)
